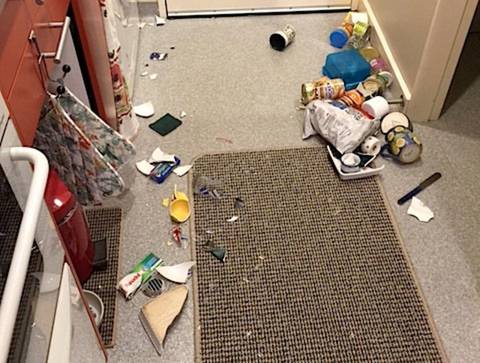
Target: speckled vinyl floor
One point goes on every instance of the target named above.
(224, 75)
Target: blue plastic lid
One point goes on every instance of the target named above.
(348, 65)
(338, 38)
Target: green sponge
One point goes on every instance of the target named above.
(165, 124)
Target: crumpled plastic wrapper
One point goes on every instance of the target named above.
(345, 128)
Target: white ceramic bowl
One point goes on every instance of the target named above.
(95, 305)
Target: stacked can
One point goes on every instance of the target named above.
(360, 35)
(352, 98)
(339, 37)
(322, 89)
(375, 85)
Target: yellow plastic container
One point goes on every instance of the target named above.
(179, 207)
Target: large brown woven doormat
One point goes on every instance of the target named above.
(315, 271)
(106, 223)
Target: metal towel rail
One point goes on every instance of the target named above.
(21, 256)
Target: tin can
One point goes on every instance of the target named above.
(352, 98)
(378, 65)
(309, 89)
(387, 76)
(330, 89)
(369, 53)
(282, 38)
(372, 87)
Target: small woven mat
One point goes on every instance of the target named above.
(315, 270)
(106, 222)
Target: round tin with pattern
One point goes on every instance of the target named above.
(403, 145)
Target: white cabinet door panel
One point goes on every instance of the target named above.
(193, 7)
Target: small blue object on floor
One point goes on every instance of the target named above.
(348, 65)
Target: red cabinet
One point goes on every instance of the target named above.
(15, 25)
(26, 97)
(20, 79)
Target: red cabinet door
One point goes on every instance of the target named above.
(15, 25)
(57, 9)
(26, 97)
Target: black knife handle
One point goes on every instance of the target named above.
(409, 195)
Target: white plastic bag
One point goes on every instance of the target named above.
(344, 127)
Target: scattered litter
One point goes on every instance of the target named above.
(183, 114)
(144, 110)
(238, 203)
(182, 170)
(144, 167)
(208, 187)
(159, 20)
(233, 219)
(424, 184)
(154, 287)
(153, 76)
(163, 170)
(420, 210)
(156, 56)
(282, 38)
(225, 140)
(165, 124)
(157, 315)
(125, 23)
(172, 47)
(220, 253)
(166, 202)
(139, 275)
(169, 243)
(177, 235)
(141, 25)
(177, 273)
(179, 207)
(300, 108)
(144, 74)
(158, 156)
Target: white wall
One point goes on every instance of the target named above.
(406, 31)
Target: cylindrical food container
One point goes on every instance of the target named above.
(330, 89)
(308, 90)
(369, 53)
(282, 38)
(378, 65)
(353, 98)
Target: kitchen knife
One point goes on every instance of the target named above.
(429, 181)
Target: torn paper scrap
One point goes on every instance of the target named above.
(141, 25)
(153, 76)
(144, 110)
(166, 202)
(158, 156)
(177, 273)
(183, 114)
(144, 167)
(158, 314)
(144, 74)
(233, 219)
(182, 170)
(420, 210)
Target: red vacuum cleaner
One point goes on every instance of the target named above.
(73, 227)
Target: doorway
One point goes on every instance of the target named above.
(218, 7)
